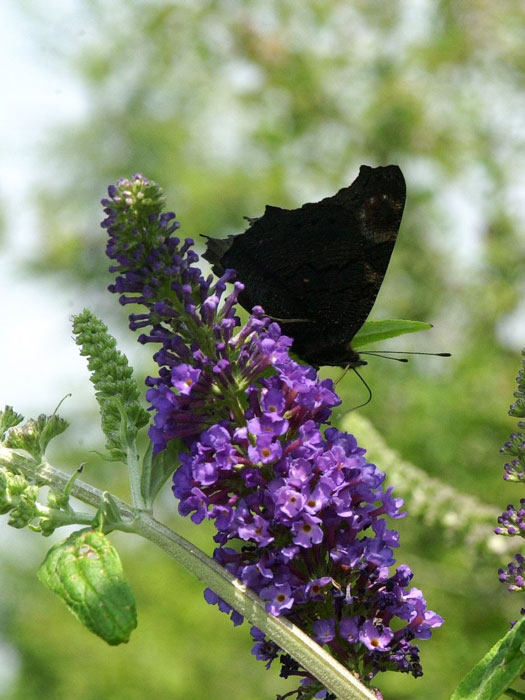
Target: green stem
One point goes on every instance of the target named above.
(286, 635)
(61, 517)
(133, 462)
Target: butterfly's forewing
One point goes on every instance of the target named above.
(322, 264)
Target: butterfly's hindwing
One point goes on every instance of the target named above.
(323, 263)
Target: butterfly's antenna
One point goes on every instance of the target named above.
(289, 320)
(385, 357)
(383, 354)
(367, 388)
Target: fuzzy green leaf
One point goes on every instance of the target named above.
(374, 331)
(85, 571)
(503, 664)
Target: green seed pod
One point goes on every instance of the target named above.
(86, 572)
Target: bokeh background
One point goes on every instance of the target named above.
(231, 105)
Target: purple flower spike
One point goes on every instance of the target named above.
(298, 510)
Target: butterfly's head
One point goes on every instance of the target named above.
(338, 355)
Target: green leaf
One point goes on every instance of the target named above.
(374, 331)
(157, 469)
(85, 571)
(497, 670)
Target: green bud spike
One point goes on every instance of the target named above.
(86, 572)
(116, 390)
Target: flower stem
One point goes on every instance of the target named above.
(286, 635)
(133, 461)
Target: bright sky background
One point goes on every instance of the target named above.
(36, 354)
(39, 362)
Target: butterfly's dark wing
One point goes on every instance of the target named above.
(318, 269)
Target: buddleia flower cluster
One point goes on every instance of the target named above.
(512, 521)
(299, 512)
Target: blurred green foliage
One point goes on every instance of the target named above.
(233, 104)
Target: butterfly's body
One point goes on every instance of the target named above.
(318, 269)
